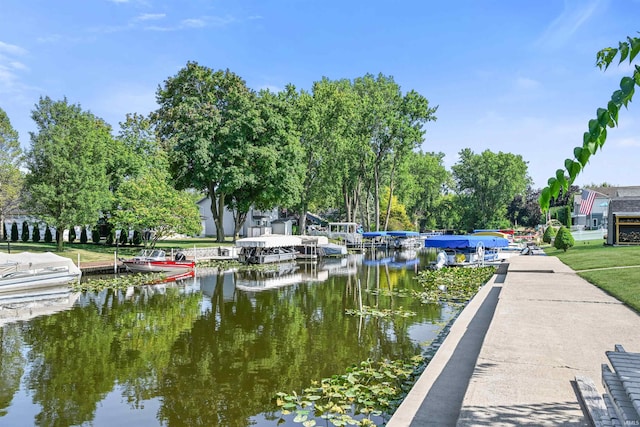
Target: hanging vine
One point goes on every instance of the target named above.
(596, 136)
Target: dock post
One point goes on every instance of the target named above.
(115, 262)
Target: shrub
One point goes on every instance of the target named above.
(110, 237)
(549, 234)
(36, 233)
(48, 238)
(25, 232)
(564, 240)
(124, 237)
(137, 238)
(83, 235)
(4, 231)
(14, 232)
(72, 234)
(95, 234)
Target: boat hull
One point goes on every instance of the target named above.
(169, 267)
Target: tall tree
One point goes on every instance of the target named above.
(422, 181)
(208, 120)
(393, 124)
(11, 179)
(274, 170)
(67, 181)
(486, 183)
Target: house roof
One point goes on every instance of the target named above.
(615, 192)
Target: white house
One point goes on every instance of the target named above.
(257, 223)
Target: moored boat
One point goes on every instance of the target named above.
(155, 261)
(28, 270)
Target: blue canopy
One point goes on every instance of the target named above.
(460, 242)
(373, 234)
(403, 233)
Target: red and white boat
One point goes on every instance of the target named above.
(155, 261)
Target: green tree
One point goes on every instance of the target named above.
(95, 234)
(422, 181)
(393, 125)
(48, 238)
(524, 210)
(67, 180)
(14, 232)
(207, 120)
(11, 178)
(83, 235)
(564, 240)
(486, 183)
(25, 231)
(36, 233)
(149, 203)
(72, 234)
(549, 234)
(596, 135)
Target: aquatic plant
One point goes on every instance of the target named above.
(452, 284)
(368, 390)
(375, 312)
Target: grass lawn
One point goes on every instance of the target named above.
(90, 252)
(622, 283)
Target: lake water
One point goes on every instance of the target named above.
(211, 351)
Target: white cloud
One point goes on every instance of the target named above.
(574, 15)
(150, 17)
(12, 49)
(193, 23)
(527, 83)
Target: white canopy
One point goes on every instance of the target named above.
(30, 259)
(270, 241)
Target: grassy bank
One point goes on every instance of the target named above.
(615, 269)
(91, 252)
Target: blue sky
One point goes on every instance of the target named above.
(511, 76)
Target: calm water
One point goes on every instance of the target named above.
(209, 352)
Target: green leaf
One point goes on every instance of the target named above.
(635, 47)
(568, 163)
(309, 423)
(603, 117)
(624, 51)
(574, 169)
(617, 97)
(602, 138)
(544, 199)
(627, 85)
(613, 112)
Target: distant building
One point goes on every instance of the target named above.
(615, 208)
(257, 223)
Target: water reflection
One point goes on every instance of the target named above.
(210, 351)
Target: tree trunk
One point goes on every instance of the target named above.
(59, 239)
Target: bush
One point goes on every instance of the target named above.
(4, 231)
(137, 238)
(36, 233)
(48, 238)
(110, 237)
(72, 234)
(564, 240)
(549, 234)
(25, 232)
(95, 234)
(83, 235)
(14, 232)
(124, 237)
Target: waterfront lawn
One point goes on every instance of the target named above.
(91, 252)
(622, 283)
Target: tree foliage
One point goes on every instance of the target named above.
(67, 181)
(11, 178)
(607, 117)
(208, 120)
(486, 183)
(549, 234)
(564, 240)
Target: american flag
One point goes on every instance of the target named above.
(588, 197)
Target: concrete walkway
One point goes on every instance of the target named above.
(511, 357)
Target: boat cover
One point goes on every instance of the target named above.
(460, 242)
(270, 241)
(373, 234)
(403, 233)
(26, 260)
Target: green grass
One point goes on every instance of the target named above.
(91, 252)
(621, 283)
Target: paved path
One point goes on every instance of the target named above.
(512, 355)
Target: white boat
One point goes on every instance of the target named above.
(28, 270)
(268, 249)
(155, 261)
(466, 250)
